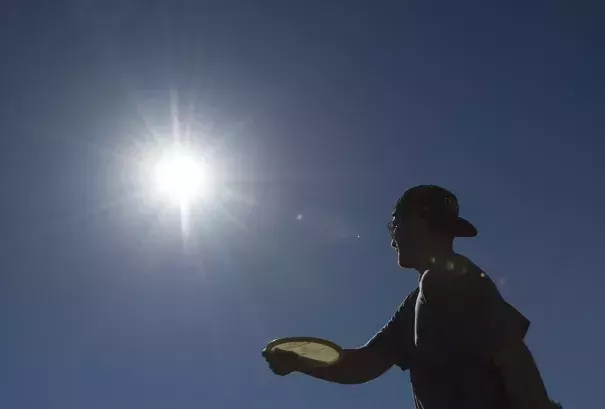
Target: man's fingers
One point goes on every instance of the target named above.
(276, 369)
(279, 370)
(280, 362)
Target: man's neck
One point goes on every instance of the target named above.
(438, 259)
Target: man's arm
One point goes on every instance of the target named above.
(356, 366)
(524, 384)
(378, 355)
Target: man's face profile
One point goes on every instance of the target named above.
(406, 234)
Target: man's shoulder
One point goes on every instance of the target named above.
(458, 276)
(457, 266)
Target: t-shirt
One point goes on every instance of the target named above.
(446, 332)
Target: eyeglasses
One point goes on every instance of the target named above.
(391, 226)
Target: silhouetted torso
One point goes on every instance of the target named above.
(446, 374)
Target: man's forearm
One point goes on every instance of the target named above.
(356, 366)
(524, 384)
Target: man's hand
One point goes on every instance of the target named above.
(283, 362)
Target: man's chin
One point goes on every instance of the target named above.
(406, 260)
(402, 261)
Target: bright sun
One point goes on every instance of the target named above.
(180, 176)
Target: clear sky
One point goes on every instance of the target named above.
(325, 109)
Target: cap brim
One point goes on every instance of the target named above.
(464, 228)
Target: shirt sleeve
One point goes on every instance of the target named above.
(389, 342)
(470, 312)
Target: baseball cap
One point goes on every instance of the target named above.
(438, 204)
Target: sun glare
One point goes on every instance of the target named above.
(181, 177)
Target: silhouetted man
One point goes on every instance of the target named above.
(460, 340)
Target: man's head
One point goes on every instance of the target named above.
(424, 225)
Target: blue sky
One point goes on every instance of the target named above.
(327, 109)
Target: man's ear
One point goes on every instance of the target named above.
(436, 223)
(430, 221)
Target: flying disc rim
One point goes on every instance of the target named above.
(279, 341)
